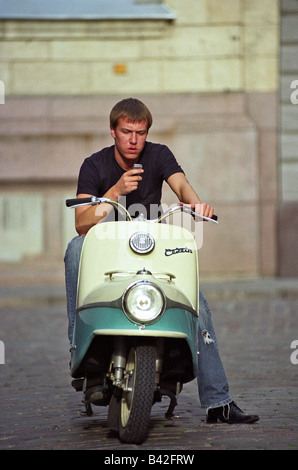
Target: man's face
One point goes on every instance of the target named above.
(130, 138)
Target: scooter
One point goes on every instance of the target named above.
(135, 334)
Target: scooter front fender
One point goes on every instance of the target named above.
(175, 323)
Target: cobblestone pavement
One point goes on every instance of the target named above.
(256, 323)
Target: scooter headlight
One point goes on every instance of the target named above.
(143, 302)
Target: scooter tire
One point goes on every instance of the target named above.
(136, 404)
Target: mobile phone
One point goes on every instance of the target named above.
(137, 166)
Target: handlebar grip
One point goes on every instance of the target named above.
(78, 200)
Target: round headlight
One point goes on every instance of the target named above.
(141, 242)
(143, 302)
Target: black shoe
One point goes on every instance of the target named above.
(77, 384)
(231, 414)
(96, 396)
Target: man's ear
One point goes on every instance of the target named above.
(112, 132)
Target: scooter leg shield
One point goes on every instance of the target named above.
(100, 325)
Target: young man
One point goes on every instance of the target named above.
(108, 173)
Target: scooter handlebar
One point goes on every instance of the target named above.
(74, 202)
(93, 200)
(187, 210)
(194, 214)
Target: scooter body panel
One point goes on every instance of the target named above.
(106, 249)
(92, 322)
(109, 266)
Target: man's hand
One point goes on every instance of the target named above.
(128, 182)
(187, 195)
(200, 208)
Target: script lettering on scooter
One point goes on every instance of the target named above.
(175, 251)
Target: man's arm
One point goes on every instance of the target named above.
(87, 216)
(187, 195)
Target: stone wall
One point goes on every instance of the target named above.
(210, 79)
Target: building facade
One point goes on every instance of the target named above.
(210, 73)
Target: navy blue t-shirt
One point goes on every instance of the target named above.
(100, 172)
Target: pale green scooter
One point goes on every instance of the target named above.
(135, 335)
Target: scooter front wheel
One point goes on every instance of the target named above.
(137, 399)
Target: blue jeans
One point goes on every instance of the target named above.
(213, 386)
